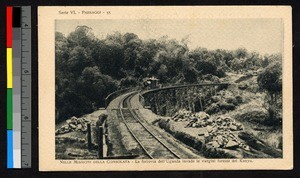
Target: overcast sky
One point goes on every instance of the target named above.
(261, 35)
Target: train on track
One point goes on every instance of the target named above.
(151, 83)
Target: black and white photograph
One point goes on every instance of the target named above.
(174, 88)
(168, 89)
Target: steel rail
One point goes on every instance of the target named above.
(117, 93)
(134, 115)
(129, 129)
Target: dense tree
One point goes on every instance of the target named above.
(190, 74)
(88, 68)
(206, 67)
(241, 53)
(270, 80)
(82, 36)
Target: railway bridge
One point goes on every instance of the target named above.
(131, 130)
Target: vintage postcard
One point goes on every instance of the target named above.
(165, 88)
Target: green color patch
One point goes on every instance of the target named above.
(9, 109)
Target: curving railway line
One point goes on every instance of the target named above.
(154, 144)
(151, 144)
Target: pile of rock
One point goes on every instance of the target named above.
(182, 115)
(219, 131)
(226, 123)
(224, 139)
(220, 134)
(73, 124)
(199, 119)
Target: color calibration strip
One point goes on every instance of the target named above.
(18, 83)
(9, 63)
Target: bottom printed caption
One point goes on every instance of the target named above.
(164, 161)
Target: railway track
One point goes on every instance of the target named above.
(150, 143)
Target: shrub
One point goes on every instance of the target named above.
(222, 87)
(280, 143)
(226, 106)
(206, 67)
(232, 100)
(255, 116)
(215, 99)
(239, 99)
(220, 73)
(212, 109)
(128, 82)
(254, 88)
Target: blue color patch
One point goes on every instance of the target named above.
(10, 162)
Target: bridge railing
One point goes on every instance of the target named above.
(145, 92)
(183, 86)
(117, 93)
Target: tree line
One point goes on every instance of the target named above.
(87, 68)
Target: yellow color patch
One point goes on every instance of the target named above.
(9, 65)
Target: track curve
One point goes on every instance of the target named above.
(153, 147)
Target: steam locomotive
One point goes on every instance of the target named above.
(151, 82)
